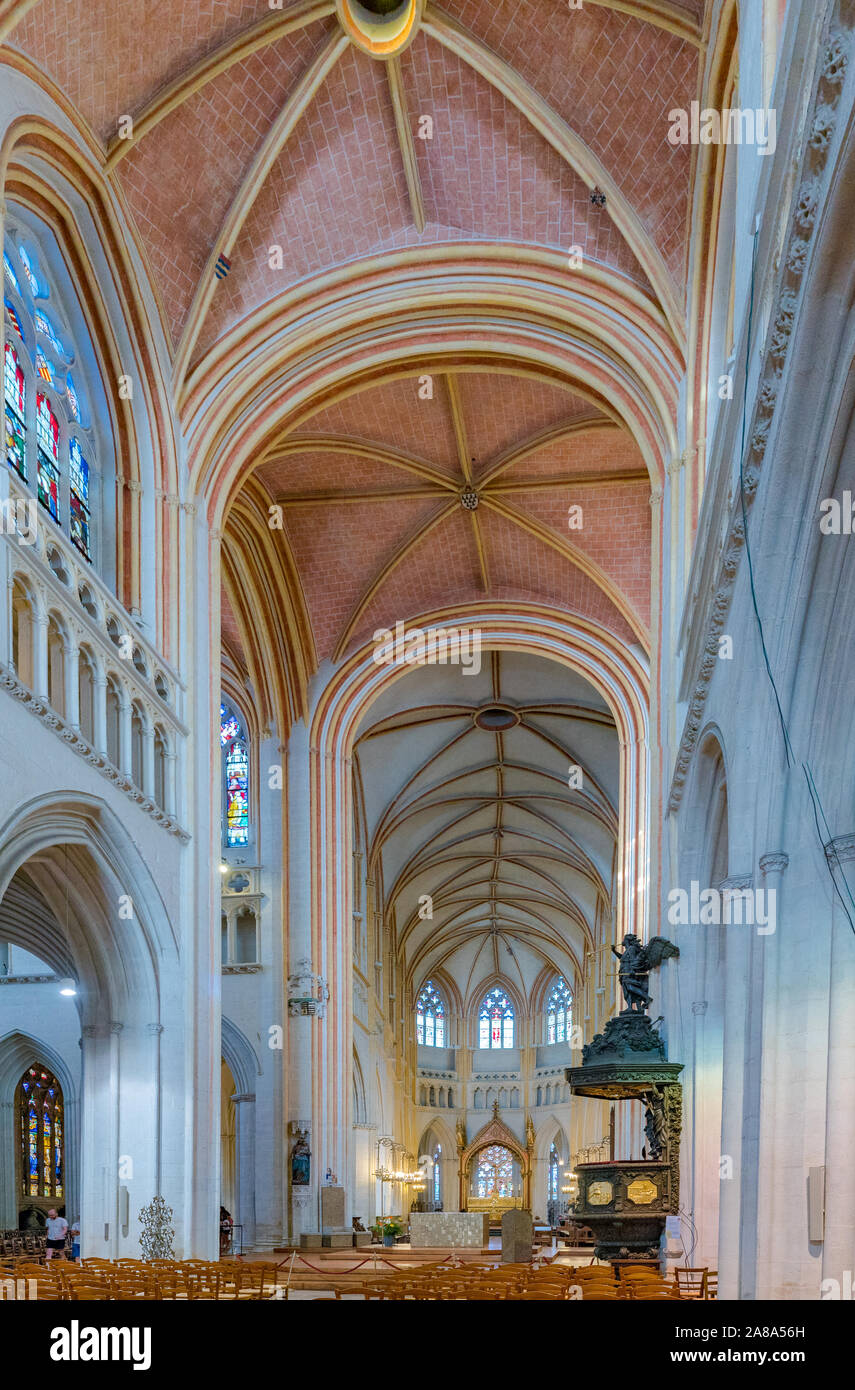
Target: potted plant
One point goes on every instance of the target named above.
(387, 1230)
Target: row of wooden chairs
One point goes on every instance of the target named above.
(474, 1283)
(125, 1280)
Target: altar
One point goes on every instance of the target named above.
(443, 1229)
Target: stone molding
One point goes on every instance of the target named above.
(74, 740)
(808, 199)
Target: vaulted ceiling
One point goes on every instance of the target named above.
(256, 126)
(230, 128)
(517, 865)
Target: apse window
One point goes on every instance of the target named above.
(430, 1017)
(496, 1020)
(50, 438)
(559, 1012)
(236, 777)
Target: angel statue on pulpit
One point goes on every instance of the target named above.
(636, 963)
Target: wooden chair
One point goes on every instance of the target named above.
(712, 1284)
(692, 1283)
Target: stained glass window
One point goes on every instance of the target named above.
(41, 1134)
(554, 1173)
(237, 778)
(15, 397)
(45, 369)
(437, 1175)
(73, 399)
(430, 1017)
(57, 461)
(38, 290)
(45, 326)
(229, 726)
(494, 1176)
(496, 1020)
(78, 477)
(559, 1012)
(47, 434)
(10, 274)
(13, 318)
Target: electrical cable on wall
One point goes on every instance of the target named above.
(788, 748)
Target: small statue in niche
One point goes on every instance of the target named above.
(357, 1224)
(461, 1135)
(301, 1161)
(636, 963)
(655, 1126)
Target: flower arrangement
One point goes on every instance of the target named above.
(387, 1230)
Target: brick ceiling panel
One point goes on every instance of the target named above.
(182, 177)
(393, 413)
(525, 568)
(230, 629)
(441, 569)
(340, 549)
(503, 411)
(488, 172)
(613, 79)
(337, 192)
(615, 532)
(592, 451)
(315, 471)
(110, 56)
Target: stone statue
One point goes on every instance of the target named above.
(529, 1132)
(636, 963)
(357, 1224)
(301, 1161)
(461, 1135)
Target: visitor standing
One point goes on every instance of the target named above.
(75, 1240)
(57, 1228)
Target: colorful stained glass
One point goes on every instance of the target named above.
(73, 399)
(79, 523)
(237, 794)
(47, 428)
(46, 1152)
(559, 1012)
(78, 472)
(496, 1020)
(45, 369)
(40, 1107)
(229, 726)
(45, 326)
(430, 1017)
(494, 1175)
(10, 273)
(48, 484)
(13, 318)
(15, 392)
(39, 291)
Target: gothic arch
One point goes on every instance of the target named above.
(241, 1057)
(17, 1052)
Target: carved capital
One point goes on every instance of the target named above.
(774, 863)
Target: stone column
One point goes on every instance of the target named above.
(737, 955)
(155, 1030)
(169, 770)
(148, 760)
(71, 674)
(99, 712)
(40, 656)
(304, 1200)
(245, 1166)
(125, 734)
(838, 1250)
(8, 1192)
